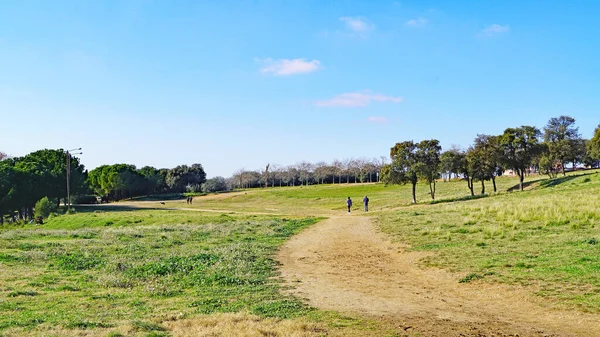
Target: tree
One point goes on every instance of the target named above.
(428, 162)
(485, 160)
(563, 141)
(403, 168)
(3, 155)
(450, 162)
(216, 184)
(520, 146)
(593, 146)
(338, 170)
(184, 177)
(304, 171)
(321, 171)
(154, 179)
(8, 187)
(44, 207)
(466, 167)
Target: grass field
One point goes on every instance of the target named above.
(125, 272)
(330, 199)
(122, 270)
(547, 238)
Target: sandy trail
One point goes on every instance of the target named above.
(345, 264)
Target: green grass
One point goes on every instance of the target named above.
(81, 272)
(331, 199)
(546, 238)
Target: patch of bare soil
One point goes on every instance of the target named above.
(345, 264)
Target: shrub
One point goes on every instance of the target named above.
(470, 277)
(44, 207)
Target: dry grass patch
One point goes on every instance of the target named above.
(244, 324)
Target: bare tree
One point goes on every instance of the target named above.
(267, 175)
(320, 171)
(304, 170)
(338, 170)
(3, 155)
(347, 168)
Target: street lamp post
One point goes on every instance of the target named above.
(69, 153)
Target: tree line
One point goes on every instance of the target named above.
(25, 180)
(522, 150)
(121, 181)
(43, 174)
(351, 170)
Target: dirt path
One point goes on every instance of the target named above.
(344, 264)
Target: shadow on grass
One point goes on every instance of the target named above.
(116, 208)
(550, 182)
(465, 198)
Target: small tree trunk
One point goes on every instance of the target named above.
(470, 184)
(414, 192)
(521, 179)
(432, 190)
(563, 169)
(494, 183)
(482, 186)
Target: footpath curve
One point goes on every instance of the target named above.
(344, 264)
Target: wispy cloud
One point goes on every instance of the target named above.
(378, 120)
(418, 22)
(357, 99)
(357, 25)
(495, 29)
(286, 67)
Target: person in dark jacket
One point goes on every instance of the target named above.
(349, 204)
(366, 202)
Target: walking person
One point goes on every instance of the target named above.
(366, 202)
(349, 204)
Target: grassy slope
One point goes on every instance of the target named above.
(546, 237)
(330, 199)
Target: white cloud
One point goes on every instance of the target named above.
(495, 29)
(285, 67)
(357, 24)
(357, 99)
(418, 22)
(378, 120)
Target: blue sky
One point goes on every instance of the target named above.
(238, 84)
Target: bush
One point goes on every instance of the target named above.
(44, 207)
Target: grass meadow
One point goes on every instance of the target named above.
(159, 271)
(130, 272)
(547, 238)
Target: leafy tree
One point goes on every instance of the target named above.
(564, 141)
(183, 176)
(48, 169)
(216, 184)
(404, 168)
(8, 187)
(154, 180)
(428, 162)
(485, 160)
(466, 168)
(450, 162)
(521, 146)
(593, 146)
(477, 167)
